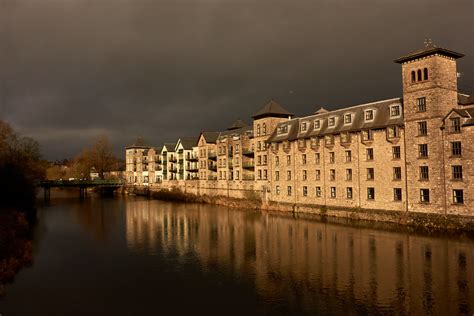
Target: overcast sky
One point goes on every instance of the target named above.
(74, 69)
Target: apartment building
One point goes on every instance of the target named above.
(411, 153)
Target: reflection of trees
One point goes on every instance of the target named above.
(16, 248)
(310, 262)
(96, 217)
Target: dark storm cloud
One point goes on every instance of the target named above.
(73, 69)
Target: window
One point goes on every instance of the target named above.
(421, 104)
(413, 77)
(264, 129)
(145, 179)
(277, 161)
(347, 118)
(397, 194)
(370, 153)
(258, 129)
(348, 156)
(349, 192)
(304, 126)
(329, 140)
(369, 115)
(419, 74)
(265, 175)
(303, 159)
(259, 146)
(288, 160)
(259, 174)
(458, 196)
(288, 175)
(259, 160)
(318, 174)
(314, 141)
(289, 190)
(305, 191)
(396, 152)
(423, 150)
(332, 174)
(455, 125)
(424, 173)
(277, 175)
(305, 175)
(317, 158)
(370, 193)
(456, 149)
(333, 192)
(283, 129)
(425, 195)
(370, 174)
(317, 124)
(332, 121)
(345, 138)
(394, 111)
(367, 135)
(237, 175)
(457, 172)
(393, 132)
(397, 173)
(318, 191)
(422, 128)
(348, 174)
(332, 157)
(277, 190)
(425, 74)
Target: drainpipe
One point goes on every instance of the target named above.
(406, 172)
(445, 203)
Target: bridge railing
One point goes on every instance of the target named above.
(96, 182)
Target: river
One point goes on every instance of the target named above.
(132, 256)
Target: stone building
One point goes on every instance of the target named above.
(411, 153)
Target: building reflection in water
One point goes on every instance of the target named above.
(310, 262)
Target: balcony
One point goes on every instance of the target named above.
(248, 177)
(231, 165)
(212, 167)
(212, 155)
(248, 165)
(212, 178)
(248, 152)
(192, 157)
(230, 153)
(173, 159)
(173, 169)
(193, 169)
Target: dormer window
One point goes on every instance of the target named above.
(395, 111)
(317, 124)
(347, 118)
(283, 129)
(304, 126)
(332, 121)
(369, 115)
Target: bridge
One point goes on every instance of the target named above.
(83, 185)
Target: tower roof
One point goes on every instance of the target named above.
(429, 49)
(272, 109)
(237, 124)
(139, 143)
(321, 111)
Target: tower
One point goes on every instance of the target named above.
(429, 78)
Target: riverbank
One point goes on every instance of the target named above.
(425, 221)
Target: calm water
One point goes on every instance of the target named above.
(130, 256)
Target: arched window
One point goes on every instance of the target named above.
(258, 129)
(264, 129)
(419, 74)
(413, 76)
(425, 74)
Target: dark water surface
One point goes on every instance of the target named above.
(130, 256)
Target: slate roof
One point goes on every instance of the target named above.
(188, 142)
(381, 119)
(272, 109)
(464, 99)
(237, 124)
(427, 51)
(169, 147)
(238, 131)
(210, 137)
(139, 143)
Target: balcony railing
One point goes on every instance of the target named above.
(192, 157)
(248, 177)
(248, 152)
(173, 159)
(212, 178)
(248, 165)
(212, 155)
(212, 167)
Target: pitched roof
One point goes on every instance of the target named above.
(210, 137)
(381, 119)
(169, 147)
(188, 142)
(464, 99)
(428, 50)
(139, 143)
(321, 111)
(272, 109)
(237, 124)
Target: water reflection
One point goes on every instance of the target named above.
(317, 266)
